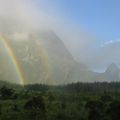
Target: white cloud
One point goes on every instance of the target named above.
(104, 55)
(19, 16)
(111, 42)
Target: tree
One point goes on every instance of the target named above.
(114, 110)
(106, 98)
(0, 108)
(96, 109)
(15, 108)
(6, 93)
(62, 116)
(36, 108)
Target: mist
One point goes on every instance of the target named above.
(20, 17)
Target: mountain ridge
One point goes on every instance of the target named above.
(45, 59)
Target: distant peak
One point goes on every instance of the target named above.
(112, 67)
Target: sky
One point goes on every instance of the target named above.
(90, 29)
(99, 17)
(98, 20)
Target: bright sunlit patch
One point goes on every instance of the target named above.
(13, 59)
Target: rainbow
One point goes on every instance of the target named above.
(14, 61)
(39, 50)
(44, 58)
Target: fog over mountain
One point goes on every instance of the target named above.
(45, 59)
(25, 16)
(57, 50)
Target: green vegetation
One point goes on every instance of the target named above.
(80, 101)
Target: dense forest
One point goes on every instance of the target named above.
(77, 101)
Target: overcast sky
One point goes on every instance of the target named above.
(90, 29)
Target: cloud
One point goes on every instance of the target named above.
(21, 16)
(103, 56)
(24, 16)
(111, 42)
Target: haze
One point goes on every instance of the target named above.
(71, 22)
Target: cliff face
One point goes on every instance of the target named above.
(43, 58)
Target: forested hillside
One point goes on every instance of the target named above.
(80, 101)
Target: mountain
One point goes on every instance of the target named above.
(112, 73)
(112, 69)
(43, 58)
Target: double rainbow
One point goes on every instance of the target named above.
(15, 63)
